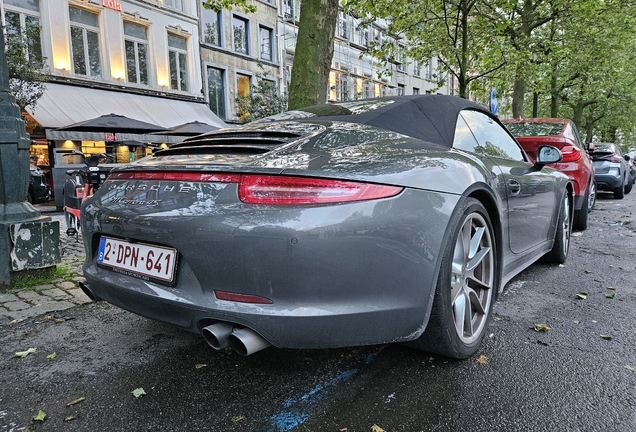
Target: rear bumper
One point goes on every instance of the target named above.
(608, 182)
(355, 274)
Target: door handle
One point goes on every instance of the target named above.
(514, 187)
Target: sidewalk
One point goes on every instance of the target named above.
(59, 294)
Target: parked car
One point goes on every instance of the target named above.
(563, 134)
(39, 190)
(612, 169)
(397, 219)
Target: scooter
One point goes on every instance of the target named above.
(81, 184)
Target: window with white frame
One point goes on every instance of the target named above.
(343, 25)
(85, 42)
(178, 59)
(217, 91)
(342, 87)
(416, 68)
(416, 91)
(266, 43)
(211, 26)
(174, 4)
(136, 44)
(369, 88)
(240, 34)
(400, 90)
(429, 70)
(24, 24)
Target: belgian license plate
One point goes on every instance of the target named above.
(137, 259)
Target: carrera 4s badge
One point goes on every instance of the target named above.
(150, 203)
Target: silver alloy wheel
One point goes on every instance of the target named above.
(567, 229)
(591, 199)
(472, 278)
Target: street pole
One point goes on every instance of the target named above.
(27, 239)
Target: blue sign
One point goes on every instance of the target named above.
(494, 103)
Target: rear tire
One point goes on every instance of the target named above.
(628, 186)
(466, 286)
(619, 192)
(580, 216)
(559, 252)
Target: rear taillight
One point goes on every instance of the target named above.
(570, 154)
(283, 190)
(276, 189)
(614, 158)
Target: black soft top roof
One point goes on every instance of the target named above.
(431, 118)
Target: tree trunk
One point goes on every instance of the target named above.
(314, 52)
(554, 93)
(518, 94)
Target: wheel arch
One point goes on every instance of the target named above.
(489, 202)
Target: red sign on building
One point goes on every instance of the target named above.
(112, 4)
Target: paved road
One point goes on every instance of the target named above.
(566, 379)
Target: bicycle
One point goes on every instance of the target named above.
(81, 184)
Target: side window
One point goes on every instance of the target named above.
(464, 138)
(577, 136)
(493, 140)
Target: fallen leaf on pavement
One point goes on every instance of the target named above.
(238, 418)
(629, 368)
(376, 428)
(606, 337)
(562, 265)
(70, 418)
(612, 288)
(200, 365)
(587, 271)
(482, 359)
(497, 318)
(610, 296)
(76, 401)
(52, 355)
(40, 416)
(576, 321)
(581, 296)
(540, 327)
(23, 354)
(138, 392)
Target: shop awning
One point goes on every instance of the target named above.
(63, 105)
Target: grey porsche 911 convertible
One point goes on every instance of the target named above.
(397, 219)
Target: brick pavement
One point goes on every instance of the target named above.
(56, 296)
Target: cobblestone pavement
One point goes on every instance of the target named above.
(59, 294)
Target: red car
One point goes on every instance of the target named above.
(563, 134)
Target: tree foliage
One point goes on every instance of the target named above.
(27, 71)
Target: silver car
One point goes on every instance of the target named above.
(397, 219)
(613, 173)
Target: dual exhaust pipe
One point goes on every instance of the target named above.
(243, 340)
(220, 335)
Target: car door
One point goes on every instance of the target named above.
(531, 196)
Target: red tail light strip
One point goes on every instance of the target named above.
(177, 175)
(277, 189)
(241, 298)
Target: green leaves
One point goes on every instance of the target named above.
(40, 416)
(540, 327)
(138, 392)
(23, 354)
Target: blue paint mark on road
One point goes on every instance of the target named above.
(296, 410)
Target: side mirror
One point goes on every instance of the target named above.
(626, 158)
(548, 155)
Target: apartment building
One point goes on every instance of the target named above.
(136, 58)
